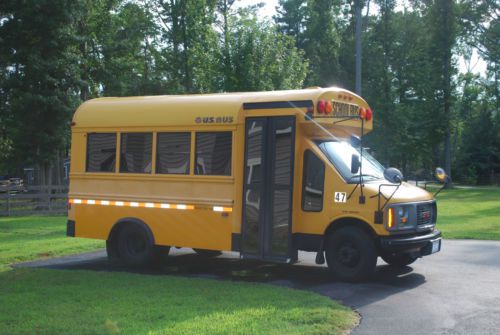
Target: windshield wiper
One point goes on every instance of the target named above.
(364, 175)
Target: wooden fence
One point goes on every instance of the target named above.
(33, 200)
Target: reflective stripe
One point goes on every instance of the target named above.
(222, 209)
(144, 204)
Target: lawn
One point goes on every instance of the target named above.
(44, 301)
(470, 213)
(33, 237)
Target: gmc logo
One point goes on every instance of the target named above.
(426, 215)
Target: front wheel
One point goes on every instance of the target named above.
(398, 259)
(350, 254)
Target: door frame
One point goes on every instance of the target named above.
(267, 186)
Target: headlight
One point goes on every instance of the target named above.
(399, 218)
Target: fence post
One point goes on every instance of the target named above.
(8, 201)
(49, 191)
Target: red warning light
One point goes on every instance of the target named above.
(321, 106)
(369, 114)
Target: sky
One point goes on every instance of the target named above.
(268, 10)
(477, 64)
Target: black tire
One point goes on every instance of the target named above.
(351, 254)
(112, 250)
(208, 253)
(135, 246)
(398, 259)
(161, 253)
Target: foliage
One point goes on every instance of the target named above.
(312, 24)
(40, 75)
(261, 58)
(56, 54)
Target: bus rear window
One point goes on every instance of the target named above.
(101, 152)
(213, 153)
(136, 152)
(173, 153)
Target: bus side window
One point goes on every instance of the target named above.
(213, 153)
(173, 152)
(136, 152)
(312, 183)
(101, 152)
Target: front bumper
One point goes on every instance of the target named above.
(423, 245)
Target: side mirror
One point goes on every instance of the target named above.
(393, 175)
(441, 175)
(355, 164)
(355, 142)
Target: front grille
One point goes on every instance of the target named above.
(426, 214)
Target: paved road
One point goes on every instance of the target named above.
(456, 291)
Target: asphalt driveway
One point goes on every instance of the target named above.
(456, 291)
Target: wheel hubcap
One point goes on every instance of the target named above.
(348, 254)
(136, 245)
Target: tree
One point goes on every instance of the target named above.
(443, 32)
(190, 55)
(262, 58)
(39, 51)
(224, 9)
(312, 23)
(129, 53)
(291, 19)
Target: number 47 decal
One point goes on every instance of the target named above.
(340, 197)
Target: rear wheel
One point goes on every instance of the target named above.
(135, 246)
(350, 254)
(208, 253)
(398, 259)
(161, 253)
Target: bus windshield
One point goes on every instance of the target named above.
(340, 153)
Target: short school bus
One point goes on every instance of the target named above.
(265, 174)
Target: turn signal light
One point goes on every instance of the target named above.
(362, 113)
(390, 218)
(328, 107)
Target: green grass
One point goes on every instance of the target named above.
(33, 237)
(84, 302)
(469, 213)
(44, 301)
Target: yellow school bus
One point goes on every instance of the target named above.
(265, 174)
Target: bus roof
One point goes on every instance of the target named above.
(191, 110)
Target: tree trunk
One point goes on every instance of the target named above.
(447, 156)
(227, 64)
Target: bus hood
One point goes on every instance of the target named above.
(405, 193)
